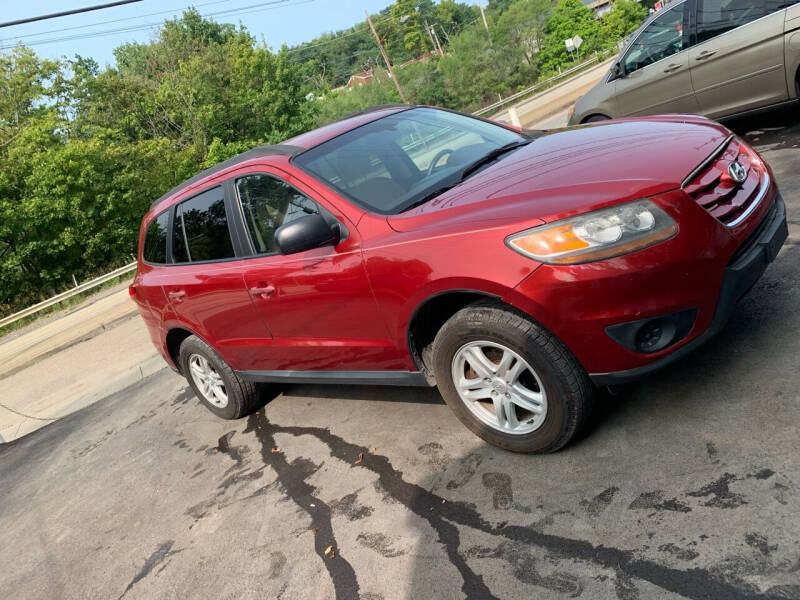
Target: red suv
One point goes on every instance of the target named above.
(419, 246)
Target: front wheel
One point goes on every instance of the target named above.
(509, 380)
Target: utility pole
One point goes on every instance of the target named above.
(386, 59)
(438, 43)
(483, 14)
(430, 35)
(437, 47)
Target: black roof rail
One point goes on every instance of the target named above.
(258, 151)
(376, 108)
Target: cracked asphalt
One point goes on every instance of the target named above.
(686, 485)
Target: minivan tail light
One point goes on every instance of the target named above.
(132, 292)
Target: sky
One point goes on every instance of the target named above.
(274, 21)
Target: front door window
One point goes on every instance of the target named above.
(662, 38)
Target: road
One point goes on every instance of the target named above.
(686, 485)
(556, 99)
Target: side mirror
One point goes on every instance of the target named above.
(306, 233)
(617, 71)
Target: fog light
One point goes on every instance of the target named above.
(656, 333)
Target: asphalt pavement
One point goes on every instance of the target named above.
(686, 484)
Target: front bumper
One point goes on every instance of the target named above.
(746, 267)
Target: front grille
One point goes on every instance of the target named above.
(714, 188)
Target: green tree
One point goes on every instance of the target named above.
(522, 26)
(622, 20)
(411, 17)
(569, 18)
(474, 70)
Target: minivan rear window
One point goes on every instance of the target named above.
(155, 240)
(201, 229)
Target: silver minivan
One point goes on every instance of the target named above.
(717, 58)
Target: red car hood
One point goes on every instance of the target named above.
(574, 170)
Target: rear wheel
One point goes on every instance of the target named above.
(217, 386)
(596, 118)
(510, 381)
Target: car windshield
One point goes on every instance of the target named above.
(394, 163)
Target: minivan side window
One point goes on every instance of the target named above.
(267, 203)
(715, 17)
(662, 38)
(200, 230)
(155, 240)
(776, 5)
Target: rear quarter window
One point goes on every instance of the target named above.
(201, 229)
(155, 240)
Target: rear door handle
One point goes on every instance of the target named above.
(671, 68)
(177, 295)
(263, 291)
(705, 54)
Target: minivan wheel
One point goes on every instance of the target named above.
(509, 380)
(596, 118)
(217, 386)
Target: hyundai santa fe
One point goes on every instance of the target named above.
(515, 270)
(717, 58)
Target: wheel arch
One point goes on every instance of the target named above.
(588, 118)
(429, 316)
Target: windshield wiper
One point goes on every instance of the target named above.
(430, 195)
(492, 156)
(467, 171)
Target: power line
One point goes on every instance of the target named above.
(129, 29)
(65, 13)
(152, 14)
(363, 32)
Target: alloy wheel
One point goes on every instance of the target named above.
(208, 381)
(499, 387)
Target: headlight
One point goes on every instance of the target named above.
(596, 235)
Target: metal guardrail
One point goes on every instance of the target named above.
(596, 59)
(25, 312)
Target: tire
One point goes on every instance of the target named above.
(242, 396)
(596, 118)
(565, 392)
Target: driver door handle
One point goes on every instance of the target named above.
(263, 291)
(705, 54)
(671, 68)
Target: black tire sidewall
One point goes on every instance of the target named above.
(514, 332)
(194, 345)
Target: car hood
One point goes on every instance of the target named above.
(574, 170)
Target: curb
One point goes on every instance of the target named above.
(124, 380)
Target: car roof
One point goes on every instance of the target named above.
(291, 147)
(315, 137)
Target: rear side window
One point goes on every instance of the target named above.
(715, 17)
(200, 232)
(155, 240)
(267, 203)
(776, 5)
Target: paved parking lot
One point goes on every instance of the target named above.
(686, 485)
